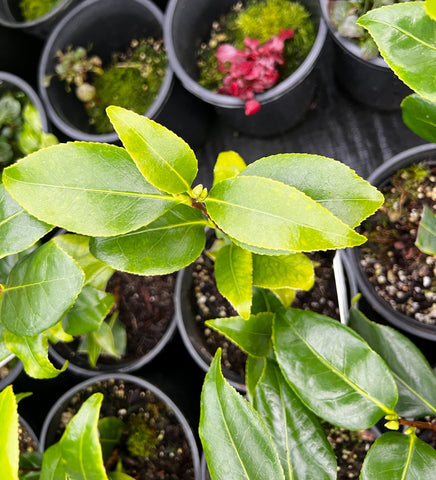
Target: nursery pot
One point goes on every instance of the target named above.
(108, 27)
(192, 333)
(11, 17)
(188, 24)
(370, 82)
(380, 177)
(137, 393)
(12, 367)
(27, 436)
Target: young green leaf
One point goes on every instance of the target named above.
(80, 445)
(234, 277)
(419, 115)
(269, 214)
(53, 466)
(333, 370)
(426, 237)
(166, 245)
(254, 369)
(110, 430)
(406, 38)
(9, 451)
(89, 311)
(430, 8)
(4, 351)
(228, 165)
(264, 301)
(96, 272)
(224, 416)
(330, 183)
(293, 428)
(164, 159)
(18, 229)
(400, 457)
(33, 352)
(88, 188)
(40, 289)
(252, 335)
(415, 378)
(99, 341)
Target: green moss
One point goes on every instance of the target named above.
(141, 439)
(32, 9)
(261, 20)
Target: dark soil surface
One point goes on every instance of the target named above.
(25, 439)
(400, 273)
(146, 308)
(169, 459)
(208, 303)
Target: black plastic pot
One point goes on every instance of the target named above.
(10, 16)
(370, 82)
(379, 178)
(14, 371)
(192, 335)
(188, 23)
(25, 426)
(53, 419)
(109, 27)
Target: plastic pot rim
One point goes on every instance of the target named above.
(228, 101)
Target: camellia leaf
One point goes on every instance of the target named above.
(18, 229)
(252, 335)
(40, 289)
(234, 277)
(164, 159)
(293, 428)
(33, 352)
(430, 8)
(333, 371)
(9, 451)
(235, 441)
(81, 450)
(400, 457)
(426, 237)
(254, 369)
(332, 184)
(89, 188)
(406, 38)
(264, 301)
(110, 430)
(89, 311)
(415, 378)
(4, 351)
(96, 272)
(53, 467)
(270, 214)
(166, 245)
(419, 115)
(228, 165)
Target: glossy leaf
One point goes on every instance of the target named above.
(9, 451)
(33, 352)
(293, 271)
(99, 341)
(228, 165)
(415, 378)
(18, 229)
(56, 333)
(304, 450)
(330, 183)
(395, 456)
(110, 430)
(426, 238)
(286, 295)
(40, 289)
(252, 335)
(430, 8)
(235, 441)
(254, 369)
(234, 277)
(269, 214)
(53, 466)
(96, 272)
(4, 351)
(406, 38)
(166, 245)
(264, 301)
(419, 115)
(80, 444)
(164, 159)
(333, 370)
(89, 188)
(89, 311)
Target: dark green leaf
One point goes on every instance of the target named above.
(235, 441)
(110, 430)
(254, 368)
(419, 115)
(333, 370)
(53, 466)
(166, 245)
(426, 238)
(293, 428)
(415, 378)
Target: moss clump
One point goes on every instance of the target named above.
(32, 9)
(261, 20)
(141, 439)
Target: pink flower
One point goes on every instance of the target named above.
(252, 70)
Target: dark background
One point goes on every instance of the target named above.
(336, 126)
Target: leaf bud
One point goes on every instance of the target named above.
(85, 92)
(392, 425)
